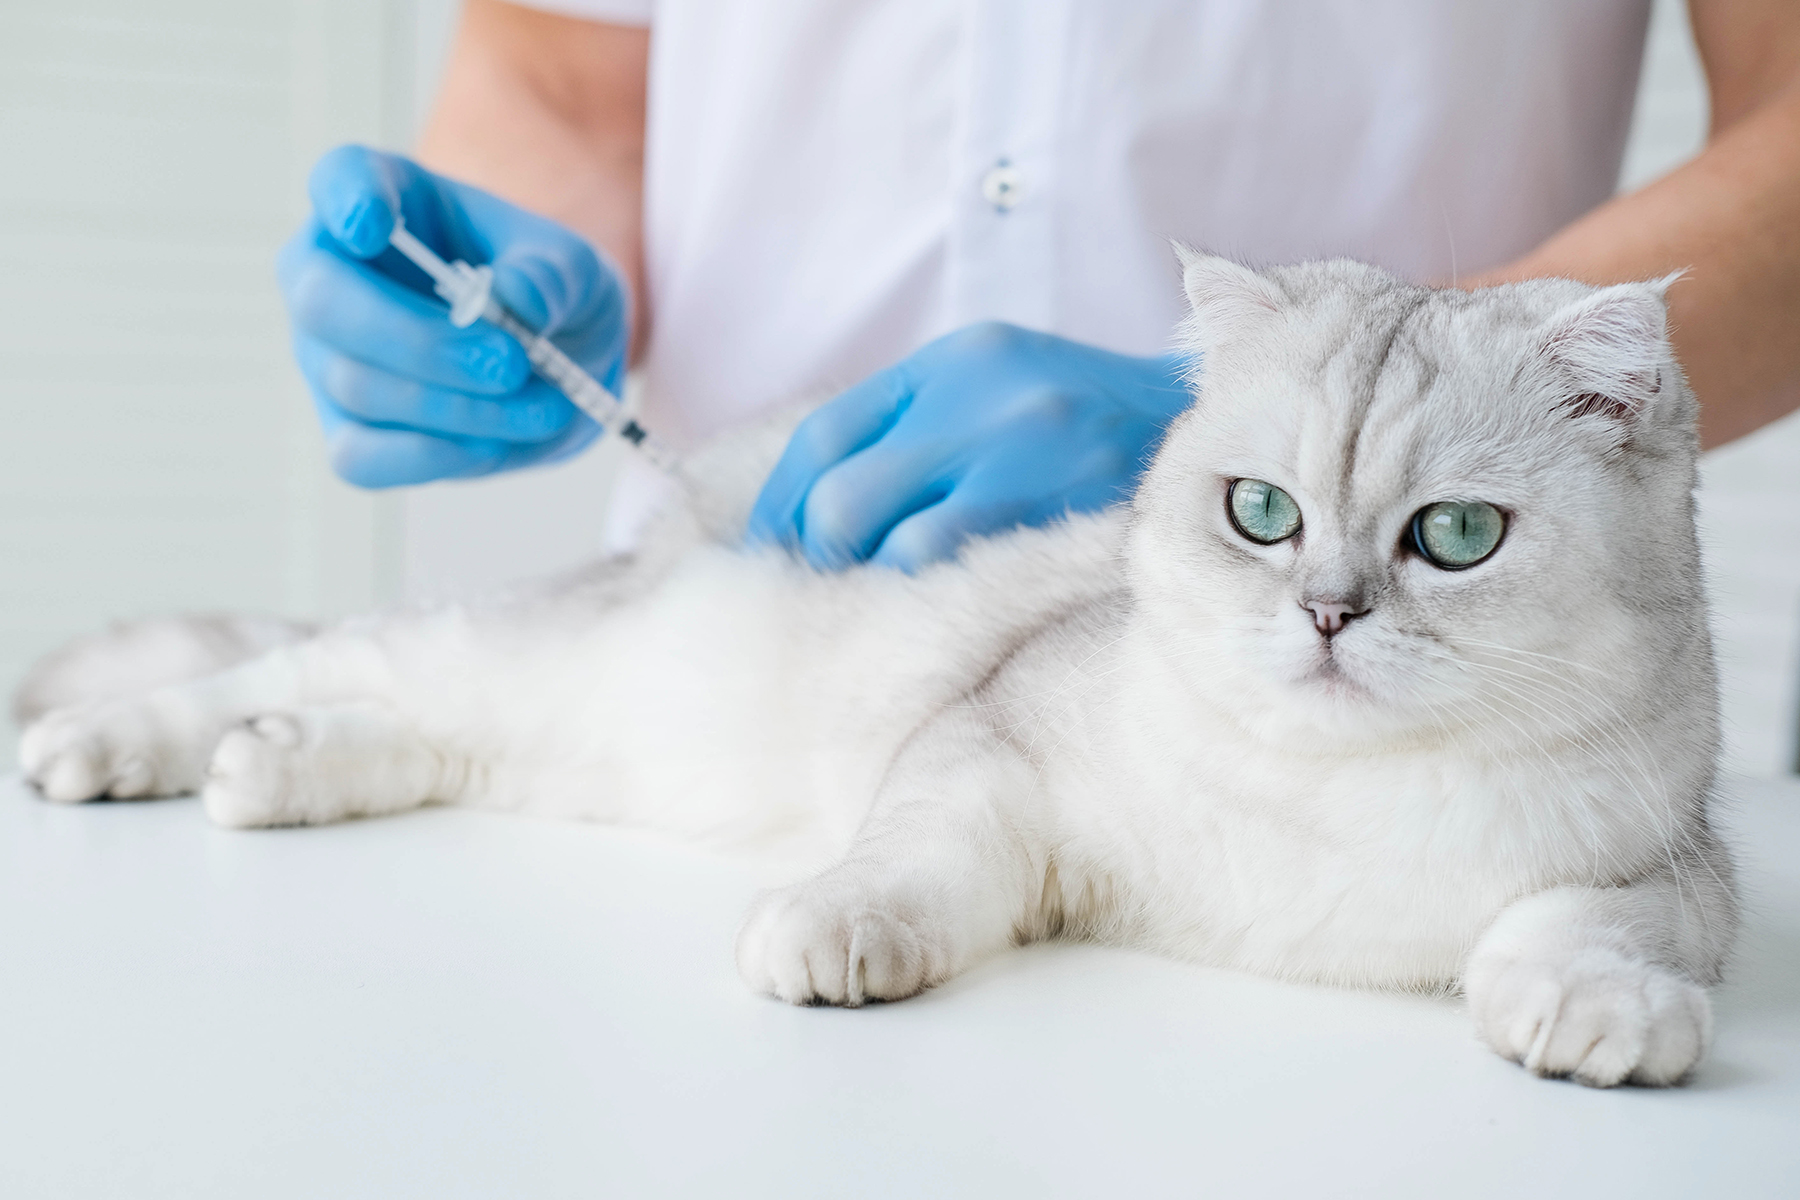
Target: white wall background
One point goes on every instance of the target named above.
(156, 449)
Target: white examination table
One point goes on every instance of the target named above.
(455, 1004)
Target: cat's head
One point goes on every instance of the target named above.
(1396, 512)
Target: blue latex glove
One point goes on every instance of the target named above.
(990, 427)
(403, 395)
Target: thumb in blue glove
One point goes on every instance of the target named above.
(404, 396)
(989, 427)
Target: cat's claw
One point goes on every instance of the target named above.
(1600, 1017)
(106, 748)
(808, 945)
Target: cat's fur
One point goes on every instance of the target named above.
(1124, 727)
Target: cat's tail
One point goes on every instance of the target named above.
(135, 656)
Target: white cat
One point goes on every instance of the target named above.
(1394, 673)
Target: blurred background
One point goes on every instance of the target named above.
(157, 450)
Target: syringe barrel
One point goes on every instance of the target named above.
(586, 392)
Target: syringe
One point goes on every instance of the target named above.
(469, 291)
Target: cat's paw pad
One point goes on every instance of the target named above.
(255, 773)
(1600, 1017)
(109, 748)
(811, 944)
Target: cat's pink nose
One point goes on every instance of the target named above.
(1330, 616)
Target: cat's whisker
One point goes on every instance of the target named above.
(1667, 831)
(1490, 708)
(1465, 640)
(1608, 755)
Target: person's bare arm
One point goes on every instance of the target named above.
(1731, 217)
(548, 112)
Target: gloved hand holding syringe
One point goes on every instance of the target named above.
(405, 397)
(469, 292)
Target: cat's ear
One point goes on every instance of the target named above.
(1606, 352)
(1224, 297)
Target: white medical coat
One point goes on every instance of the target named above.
(832, 183)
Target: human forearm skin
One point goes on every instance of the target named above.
(548, 112)
(1730, 218)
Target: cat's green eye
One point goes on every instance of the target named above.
(1261, 511)
(1455, 534)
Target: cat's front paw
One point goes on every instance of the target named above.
(255, 774)
(119, 748)
(1598, 1016)
(825, 942)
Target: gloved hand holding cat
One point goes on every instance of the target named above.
(990, 427)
